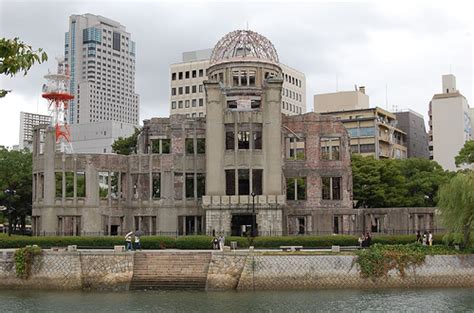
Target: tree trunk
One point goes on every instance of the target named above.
(467, 235)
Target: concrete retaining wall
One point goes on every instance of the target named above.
(235, 270)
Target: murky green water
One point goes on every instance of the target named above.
(422, 300)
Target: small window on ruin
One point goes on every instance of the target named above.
(103, 185)
(221, 77)
(165, 146)
(295, 149)
(156, 185)
(189, 185)
(331, 188)
(235, 78)
(330, 148)
(231, 104)
(69, 184)
(296, 188)
(257, 139)
(244, 181)
(201, 145)
(255, 103)
(244, 140)
(229, 140)
(189, 143)
(230, 182)
(251, 78)
(200, 184)
(257, 175)
(81, 184)
(58, 177)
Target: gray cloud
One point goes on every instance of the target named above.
(363, 43)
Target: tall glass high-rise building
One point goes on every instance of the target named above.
(101, 58)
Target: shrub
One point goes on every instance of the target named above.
(24, 258)
(194, 242)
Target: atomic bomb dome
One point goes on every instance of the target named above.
(243, 45)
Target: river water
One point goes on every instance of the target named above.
(400, 300)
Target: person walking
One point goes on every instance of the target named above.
(137, 245)
(430, 238)
(215, 243)
(128, 241)
(418, 236)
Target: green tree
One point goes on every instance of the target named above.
(126, 145)
(15, 174)
(456, 203)
(16, 56)
(396, 183)
(466, 154)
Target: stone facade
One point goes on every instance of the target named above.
(71, 270)
(239, 270)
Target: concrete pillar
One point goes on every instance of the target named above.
(271, 145)
(215, 178)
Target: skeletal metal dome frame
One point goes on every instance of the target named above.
(243, 44)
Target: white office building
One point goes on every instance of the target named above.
(450, 123)
(187, 89)
(101, 58)
(27, 122)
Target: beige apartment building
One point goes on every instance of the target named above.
(451, 123)
(372, 131)
(187, 86)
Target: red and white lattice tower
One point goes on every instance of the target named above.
(56, 91)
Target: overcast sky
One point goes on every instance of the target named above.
(405, 46)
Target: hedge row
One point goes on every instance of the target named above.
(202, 242)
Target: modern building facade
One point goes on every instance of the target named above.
(27, 123)
(450, 123)
(187, 86)
(341, 101)
(413, 124)
(98, 137)
(101, 55)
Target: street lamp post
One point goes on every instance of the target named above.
(9, 209)
(254, 231)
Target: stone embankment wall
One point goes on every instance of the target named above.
(235, 270)
(71, 270)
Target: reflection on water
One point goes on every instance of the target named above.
(421, 300)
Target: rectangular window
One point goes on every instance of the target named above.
(201, 102)
(173, 105)
(331, 188)
(173, 91)
(229, 140)
(244, 182)
(201, 73)
(367, 131)
(257, 181)
(257, 140)
(235, 78)
(330, 148)
(186, 90)
(69, 184)
(367, 148)
(180, 90)
(296, 148)
(230, 182)
(187, 75)
(244, 140)
(166, 146)
(186, 103)
(201, 88)
(189, 143)
(156, 192)
(59, 184)
(180, 104)
(189, 185)
(193, 74)
(193, 89)
(296, 188)
(243, 78)
(251, 78)
(180, 75)
(81, 184)
(200, 184)
(201, 145)
(173, 76)
(193, 103)
(116, 41)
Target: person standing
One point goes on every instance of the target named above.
(368, 240)
(425, 238)
(215, 243)
(418, 236)
(430, 238)
(138, 245)
(128, 241)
